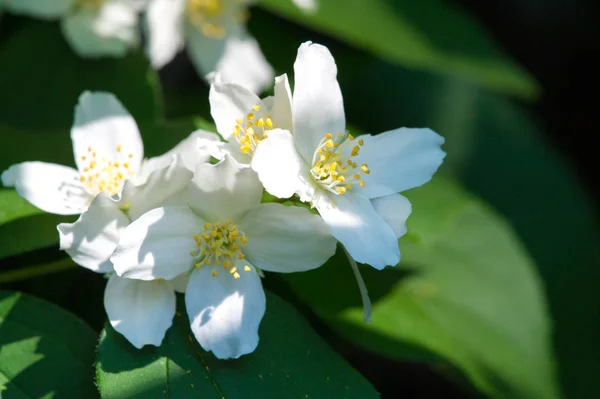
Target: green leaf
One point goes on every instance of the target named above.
(41, 79)
(465, 290)
(46, 351)
(429, 35)
(291, 361)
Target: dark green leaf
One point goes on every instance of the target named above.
(291, 361)
(46, 351)
(428, 34)
(465, 290)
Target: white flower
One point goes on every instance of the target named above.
(222, 240)
(140, 310)
(93, 28)
(214, 34)
(353, 183)
(244, 120)
(108, 151)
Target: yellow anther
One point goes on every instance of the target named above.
(341, 179)
(198, 265)
(236, 275)
(89, 149)
(227, 264)
(364, 168)
(119, 148)
(233, 270)
(206, 226)
(83, 157)
(206, 261)
(328, 135)
(214, 273)
(361, 183)
(126, 165)
(247, 268)
(260, 122)
(269, 122)
(192, 252)
(329, 143)
(256, 108)
(244, 239)
(351, 137)
(239, 121)
(93, 164)
(116, 164)
(196, 237)
(120, 175)
(356, 176)
(355, 150)
(130, 156)
(250, 116)
(361, 142)
(241, 256)
(340, 190)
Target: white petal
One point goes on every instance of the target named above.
(109, 31)
(399, 159)
(180, 282)
(204, 51)
(365, 235)
(164, 187)
(229, 101)
(142, 311)
(225, 312)
(192, 151)
(224, 191)
(158, 244)
(282, 104)
(394, 209)
(244, 63)
(92, 239)
(164, 29)
(102, 124)
(45, 9)
(318, 106)
(306, 5)
(281, 170)
(52, 188)
(286, 239)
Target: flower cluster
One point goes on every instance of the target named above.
(212, 31)
(181, 223)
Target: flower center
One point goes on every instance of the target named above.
(249, 131)
(202, 14)
(335, 170)
(103, 175)
(220, 245)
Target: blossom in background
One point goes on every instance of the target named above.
(244, 120)
(93, 28)
(353, 182)
(214, 35)
(222, 240)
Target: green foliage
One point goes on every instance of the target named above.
(291, 361)
(428, 34)
(465, 290)
(46, 351)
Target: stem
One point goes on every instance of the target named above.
(36, 271)
(364, 294)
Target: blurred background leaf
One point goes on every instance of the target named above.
(291, 361)
(45, 351)
(465, 290)
(430, 35)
